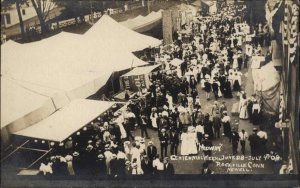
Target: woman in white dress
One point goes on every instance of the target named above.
(184, 143)
(235, 64)
(192, 141)
(190, 104)
(170, 100)
(153, 118)
(243, 107)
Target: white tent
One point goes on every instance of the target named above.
(142, 21)
(110, 33)
(75, 68)
(67, 120)
(18, 102)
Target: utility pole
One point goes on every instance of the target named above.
(148, 6)
(92, 15)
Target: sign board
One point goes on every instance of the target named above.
(133, 82)
(280, 125)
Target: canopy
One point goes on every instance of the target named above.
(67, 71)
(208, 2)
(63, 123)
(176, 62)
(197, 3)
(108, 32)
(18, 101)
(141, 70)
(142, 21)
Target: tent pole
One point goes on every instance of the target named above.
(14, 151)
(41, 150)
(38, 159)
(112, 82)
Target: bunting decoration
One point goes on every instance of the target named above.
(290, 29)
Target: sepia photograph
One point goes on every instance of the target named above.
(150, 93)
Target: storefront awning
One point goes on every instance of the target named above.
(69, 119)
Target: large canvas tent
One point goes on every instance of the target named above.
(76, 68)
(267, 85)
(110, 33)
(68, 71)
(138, 77)
(66, 121)
(142, 21)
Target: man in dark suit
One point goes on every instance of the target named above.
(217, 124)
(168, 167)
(146, 165)
(114, 166)
(205, 169)
(207, 144)
(174, 141)
(151, 151)
(164, 141)
(235, 138)
(254, 141)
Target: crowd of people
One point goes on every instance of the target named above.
(214, 49)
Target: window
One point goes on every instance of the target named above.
(8, 19)
(23, 12)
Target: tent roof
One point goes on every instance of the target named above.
(197, 3)
(63, 123)
(18, 101)
(141, 70)
(111, 33)
(141, 21)
(176, 62)
(207, 2)
(66, 72)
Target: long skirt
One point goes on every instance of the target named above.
(236, 86)
(255, 117)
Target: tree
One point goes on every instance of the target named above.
(42, 8)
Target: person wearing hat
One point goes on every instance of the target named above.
(100, 165)
(207, 88)
(223, 108)
(263, 139)
(114, 166)
(206, 145)
(205, 169)
(217, 124)
(146, 165)
(226, 121)
(164, 141)
(243, 138)
(174, 141)
(151, 151)
(168, 167)
(254, 142)
(234, 140)
(142, 120)
(128, 169)
(255, 112)
(108, 157)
